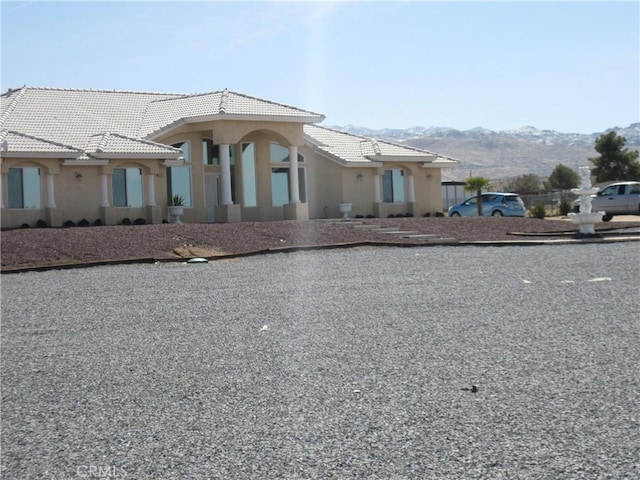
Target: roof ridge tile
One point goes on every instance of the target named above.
(94, 90)
(11, 106)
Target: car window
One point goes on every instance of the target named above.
(511, 199)
(608, 191)
(472, 201)
(489, 197)
(621, 189)
(635, 189)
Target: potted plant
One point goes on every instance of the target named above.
(176, 208)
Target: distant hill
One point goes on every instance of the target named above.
(502, 154)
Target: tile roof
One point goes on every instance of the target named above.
(102, 123)
(222, 105)
(72, 117)
(109, 144)
(22, 144)
(348, 148)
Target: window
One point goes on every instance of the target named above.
(24, 188)
(280, 194)
(393, 186)
(278, 153)
(184, 146)
(211, 153)
(279, 186)
(179, 178)
(611, 190)
(127, 187)
(179, 183)
(249, 192)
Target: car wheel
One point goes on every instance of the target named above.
(607, 217)
(497, 213)
(454, 214)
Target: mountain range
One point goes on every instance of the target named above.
(501, 154)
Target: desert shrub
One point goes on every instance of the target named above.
(408, 215)
(126, 221)
(140, 221)
(98, 223)
(69, 223)
(84, 223)
(538, 210)
(439, 214)
(371, 216)
(24, 225)
(428, 214)
(42, 224)
(565, 207)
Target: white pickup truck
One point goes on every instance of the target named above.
(620, 198)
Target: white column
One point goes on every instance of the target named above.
(104, 190)
(1, 196)
(225, 166)
(151, 190)
(376, 189)
(412, 190)
(51, 197)
(294, 186)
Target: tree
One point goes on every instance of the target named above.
(615, 162)
(563, 178)
(476, 184)
(527, 183)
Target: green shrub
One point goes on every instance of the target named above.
(538, 210)
(565, 207)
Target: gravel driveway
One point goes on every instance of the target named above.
(358, 363)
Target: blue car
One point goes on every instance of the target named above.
(495, 204)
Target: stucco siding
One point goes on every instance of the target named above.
(325, 187)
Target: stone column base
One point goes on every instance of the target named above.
(228, 213)
(296, 211)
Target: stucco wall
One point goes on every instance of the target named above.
(78, 188)
(324, 185)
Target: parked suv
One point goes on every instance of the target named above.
(620, 198)
(495, 204)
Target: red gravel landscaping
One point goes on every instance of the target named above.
(32, 247)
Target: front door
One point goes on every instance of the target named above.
(211, 195)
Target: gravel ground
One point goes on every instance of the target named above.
(63, 246)
(354, 363)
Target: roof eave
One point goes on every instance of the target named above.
(448, 164)
(256, 118)
(402, 158)
(346, 163)
(140, 156)
(84, 162)
(54, 155)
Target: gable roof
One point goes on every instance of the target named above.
(74, 117)
(225, 105)
(354, 150)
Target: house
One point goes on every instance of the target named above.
(97, 155)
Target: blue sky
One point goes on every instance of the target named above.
(566, 66)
